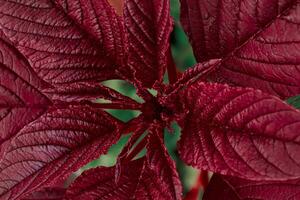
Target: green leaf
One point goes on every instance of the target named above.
(294, 101)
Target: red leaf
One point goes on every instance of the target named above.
(47, 150)
(80, 91)
(153, 186)
(58, 48)
(223, 188)
(162, 165)
(100, 20)
(55, 193)
(20, 99)
(240, 132)
(100, 183)
(136, 182)
(258, 41)
(84, 91)
(149, 25)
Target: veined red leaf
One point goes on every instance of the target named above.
(241, 132)
(223, 188)
(48, 149)
(215, 31)
(149, 25)
(199, 71)
(57, 47)
(100, 20)
(55, 193)
(79, 91)
(152, 186)
(257, 39)
(136, 182)
(85, 91)
(162, 165)
(100, 183)
(20, 98)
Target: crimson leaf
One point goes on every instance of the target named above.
(100, 183)
(57, 47)
(162, 165)
(223, 188)
(258, 41)
(99, 20)
(81, 91)
(87, 92)
(153, 177)
(54, 53)
(137, 181)
(47, 150)
(20, 98)
(55, 193)
(241, 132)
(149, 25)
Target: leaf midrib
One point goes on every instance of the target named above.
(257, 33)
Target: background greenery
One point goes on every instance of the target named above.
(184, 58)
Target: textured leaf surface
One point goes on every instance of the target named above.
(223, 188)
(162, 165)
(240, 132)
(83, 91)
(100, 20)
(58, 48)
(139, 180)
(50, 148)
(78, 92)
(149, 25)
(55, 193)
(100, 183)
(258, 41)
(20, 98)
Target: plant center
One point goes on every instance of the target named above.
(153, 110)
